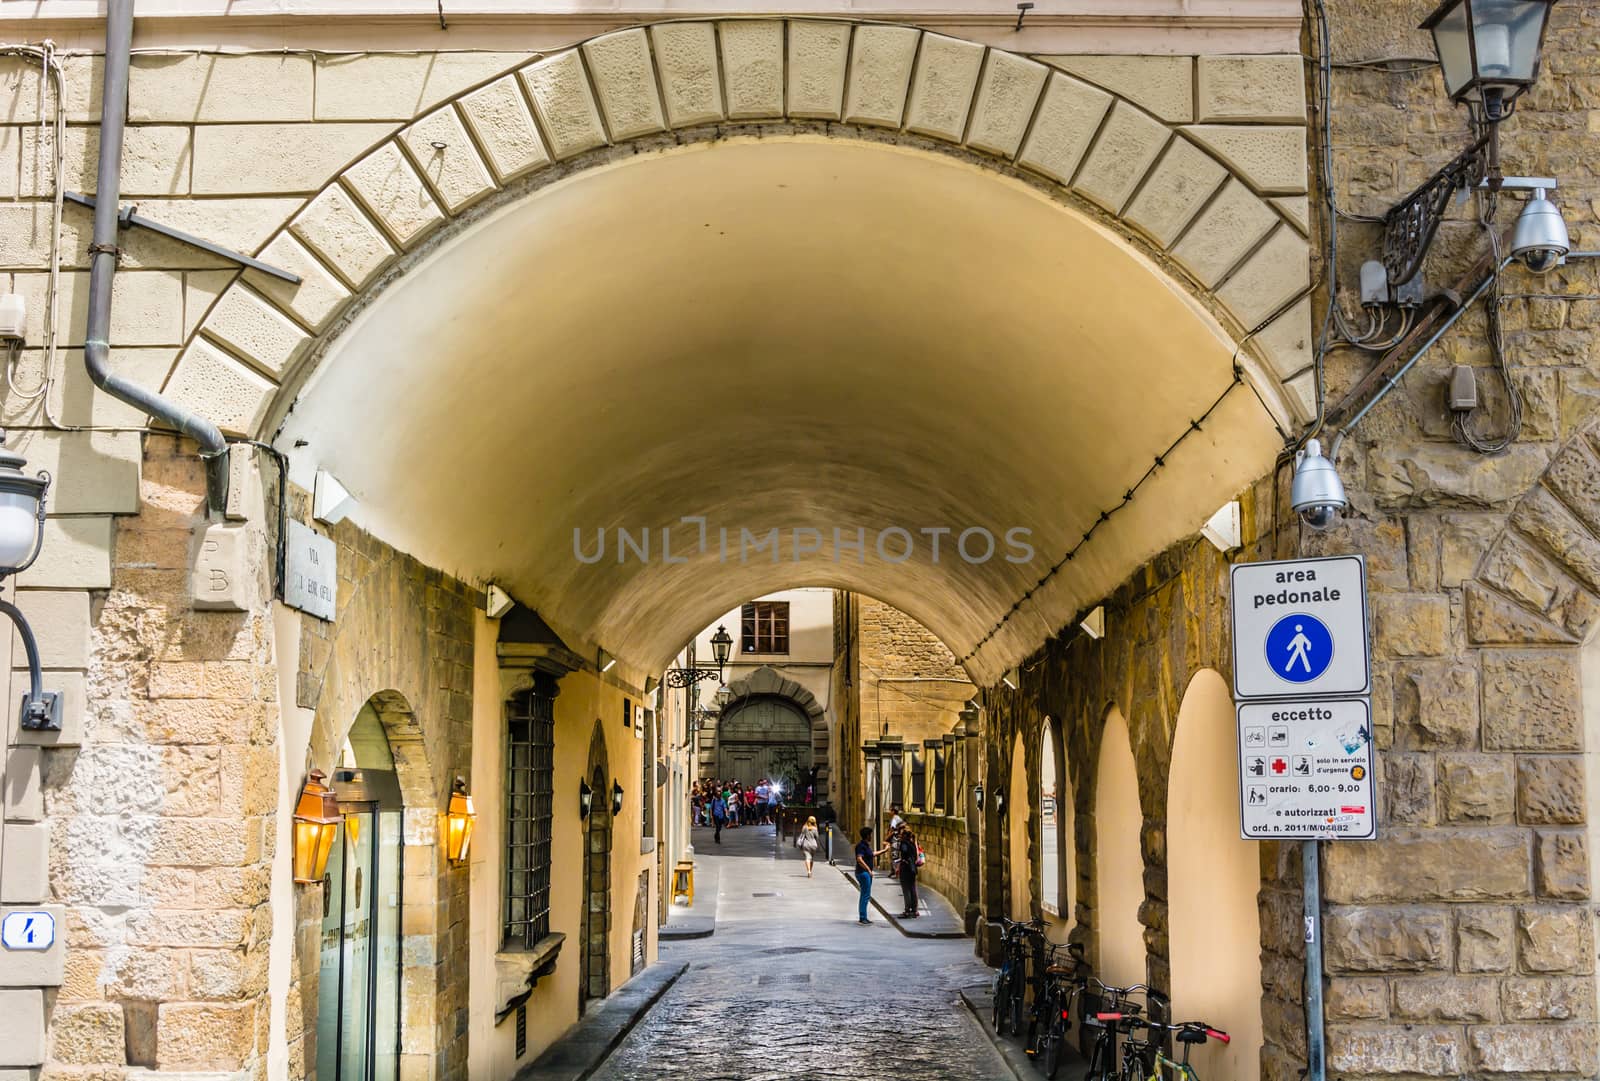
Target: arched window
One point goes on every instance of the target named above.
(1057, 862)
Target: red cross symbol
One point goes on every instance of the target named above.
(1279, 765)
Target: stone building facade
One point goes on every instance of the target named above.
(155, 825)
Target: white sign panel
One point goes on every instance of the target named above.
(1305, 770)
(27, 930)
(310, 576)
(1300, 628)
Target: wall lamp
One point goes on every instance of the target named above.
(1489, 51)
(460, 819)
(22, 513)
(585, 799)
(316, 824)
(977, 795)
(616, 798)
(721, 646)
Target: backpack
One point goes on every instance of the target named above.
(922, 857)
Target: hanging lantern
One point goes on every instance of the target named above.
(316, 823)
(459, 821)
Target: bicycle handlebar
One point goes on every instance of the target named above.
(1187, 1026)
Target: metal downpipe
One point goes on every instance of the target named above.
(103, 266)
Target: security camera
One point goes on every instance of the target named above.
(1317, 493)
(1540, 240)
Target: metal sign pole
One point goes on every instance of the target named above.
(1316, 1069)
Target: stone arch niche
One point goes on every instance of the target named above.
(1058, 857)
(1213, 878)
(1018, 816)
(1210, 202)
(1119, 860)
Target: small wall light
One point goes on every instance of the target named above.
(1010, 679)
(999, 803)
(459, 822)
(616, 798)
(585, 799)
(977, 795)
(1094, 624)
(316, 824)
(604, 661)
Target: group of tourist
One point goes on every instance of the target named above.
(731, 804)
(905, 857)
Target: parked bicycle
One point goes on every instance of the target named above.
(1011, 982)
(1188, 1035)
(1110, 1013)
(1061, 981)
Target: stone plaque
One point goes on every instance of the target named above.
(310, 577)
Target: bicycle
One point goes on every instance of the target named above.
(1190, 1034)
(1112, 1012)
(1010, 983)
(1058, 989)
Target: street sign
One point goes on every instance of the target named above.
(1300, 628)
(1305, 770)
(310, 574)
(24, 929)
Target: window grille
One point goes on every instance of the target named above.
(530, 792)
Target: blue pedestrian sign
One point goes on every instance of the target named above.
(1300, 629)
(1299, 648)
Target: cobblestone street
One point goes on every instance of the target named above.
(791, 986)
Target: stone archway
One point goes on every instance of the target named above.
(777, 702)
(594, 940)
(1213, 211)
(1118, 860)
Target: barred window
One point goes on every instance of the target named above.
(530, 791)
(765, 626)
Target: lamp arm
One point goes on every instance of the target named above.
(31, 647)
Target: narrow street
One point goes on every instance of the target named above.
(791, 986)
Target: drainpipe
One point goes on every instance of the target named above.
(103, 266)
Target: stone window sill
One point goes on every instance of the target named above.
(517, 972)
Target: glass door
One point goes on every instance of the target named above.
(358, 1006)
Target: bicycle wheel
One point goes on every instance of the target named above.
(1017, 1007)
(1050, 1041)
(1100, 1059)
(1002, 994)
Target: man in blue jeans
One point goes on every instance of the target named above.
(865, 855)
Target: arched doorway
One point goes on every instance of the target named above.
(1119, 861)
(594, 941)
(1213, 878)
(764, 737)
(1057, 858)
(359, 982)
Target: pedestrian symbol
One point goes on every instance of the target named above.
(1299, 648)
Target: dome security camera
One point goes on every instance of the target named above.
(1540, 240)
(1317, 493)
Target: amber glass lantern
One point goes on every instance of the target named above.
(316, 824)
(459, 820)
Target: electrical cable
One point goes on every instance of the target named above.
(50, 73)
(1461, 424)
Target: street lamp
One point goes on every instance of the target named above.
(22, 511)
(316, 824)
(721, 644)
(459, 822)
(1489, 50)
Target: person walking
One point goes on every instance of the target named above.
(719, 815)
(808, 841)
(907, 850)
(865, 855)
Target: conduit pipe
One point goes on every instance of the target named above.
(103, 252)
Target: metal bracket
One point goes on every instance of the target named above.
(130, 216)
(1409, 226)
(42, 714)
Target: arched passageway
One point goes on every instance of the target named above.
(1213, 878)
(1119, 863)
(1019, 815)
(1058, 855)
